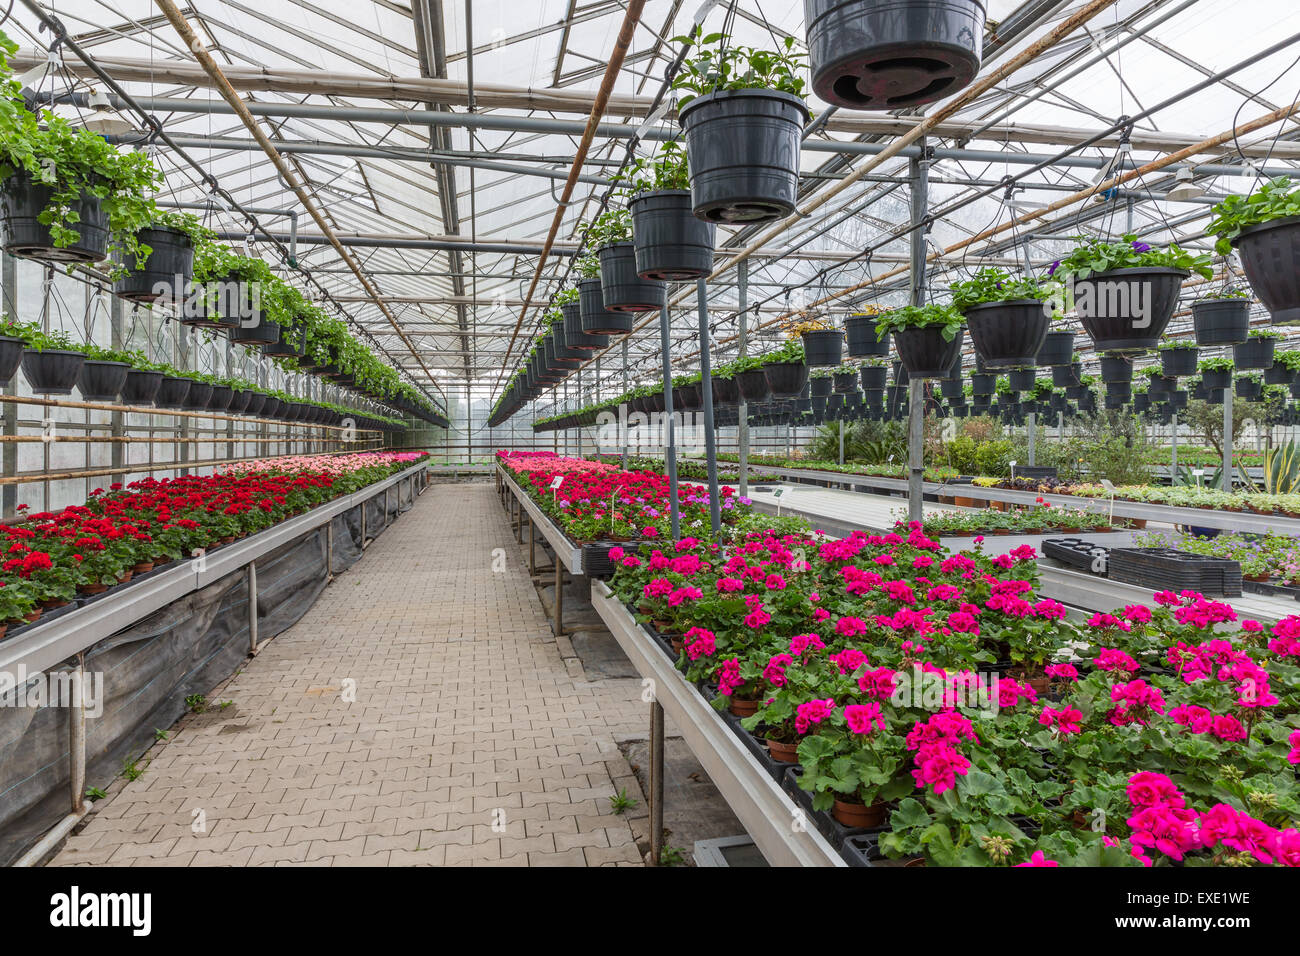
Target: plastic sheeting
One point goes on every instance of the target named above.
(151, 667)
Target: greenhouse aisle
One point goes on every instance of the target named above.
(467, 742)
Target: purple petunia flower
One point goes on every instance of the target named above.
(1055, 265)
(1140, 246)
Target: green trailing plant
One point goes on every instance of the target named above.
(944, 317)
(1231, 292)
(666, 169)
(1276, 199)
(1216, 364)
(714, 63)
(998, 285)
(611, 226)
(791, 351)
(1288, 359)
(1093, 255)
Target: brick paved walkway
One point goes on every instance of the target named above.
(469, 740)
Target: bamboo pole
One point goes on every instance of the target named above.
(177, 413)
(125, 439)
(158, 466)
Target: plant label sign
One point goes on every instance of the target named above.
(556, 482)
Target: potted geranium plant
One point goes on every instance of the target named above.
(1007, 316)
(743, 113)
(1257, 350)
(1125, 292)
(16, 604)
(671, 243)
(928, 338)
(854, 766)
(1264, 228)
(621, 287)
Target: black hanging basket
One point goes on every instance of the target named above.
(821, 348)
(925, 353)
(1270, 257)
(671, 244)
(197, 399)
(222, 303)
(872, 55)
(102, 381)
(1008, 334)
(22, 201)
(292, 342)
(753, 385)
(1248, 389)
(1022, 379)
(621, 288)
(786, 378)
(166, 273)
(1278, 375)
(1211, 380)
(1127, 310)
(259, 331)
(873, 377)
(172, 392)
(11, 356)
(860, 335)
(219, 399)
(1179, 361)
(1221, 321)
(575, 337)
(743, 148)
(1116, 369)
(983, 383)
(54, 371)
(595, 317)
(725, 391)
(141, 387)
(820, 387)
(1057, 350)
(1254, 353)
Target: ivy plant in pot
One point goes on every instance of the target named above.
(1256, 351)
(785, 370)
(51, 362)
(575, 336)
(743, 113)
(671, 244)
(1178, 358)
(1125, 292)
(591, 302)
(1008, 317)
(862, 337)
(928, 338)
(867, 55)
(11, 349)
(163, 265)
(621, 288)
(1264, 228)
(822, 342)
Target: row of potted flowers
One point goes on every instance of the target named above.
(930, 707)
(1041, 519)
(52, 559)
(1182, 496)
(1264, 558)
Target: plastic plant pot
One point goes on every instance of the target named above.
(292, 341)
(595, 317)
(1063, 376)
(259, 331)
(1127, 310)
(1057, 350)
(822, 348)
(165, 274)
(892, 54)
(141, 386)
(753, 385)
(743, 147)
(786, 378)
(54, 371)
(22, 201)
(925, 353)
(219, 399)
(1216, 379)
(1248, 389)
(1221, 321)
(873, 377)
(574, 336)
(239, 400)
(1278, 375)
(1270, 257)
(983, 383)
(1008, 334)
(1116, 368)
(197, 399)
(102, 381)
(1254, 353)
(725, 391)
(11, 356)
(1179, 361)
(860, 338)
(173, 392)
(820, 386)
(671, 244)
(1022, 379)
(621, 288)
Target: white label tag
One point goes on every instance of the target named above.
(557, 481)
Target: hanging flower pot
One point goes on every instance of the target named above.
(22, 202)
(219, 399)
(197, 398)
(924, 351)
(240, 399)
(1008, 334)
(101, 381)
(753, 385)
(141, 386)
(575, 337)
(621, 288)
(744, 154)
(820, 386)
(1057, 350)
(1270, 257)
(1127, 310)
(983, 383)
(595, 317)
(255, 331)
(860, 335)
(565, 357)
(166, 272)
(821, 348)
(1116, 368)
(1160, 386)
(1248, 388)
(1022, 379)
(1221, 321)
(846, 382)
(873, 377)
(1063, 376)
(1178, 398)
(785, 378)
(687, 397)
(725, 391)
(1216, 378)
(671, 244)
(1278, 374)
(1255, 352)
(869, 55)
(222, 303)
(951, 389)
(53, 371)
(172, 392)
(1178, 361)
(11, 356)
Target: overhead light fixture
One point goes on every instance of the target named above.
(1184, 188)
(104, 119)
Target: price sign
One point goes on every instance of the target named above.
(778, 492)
(556, 482)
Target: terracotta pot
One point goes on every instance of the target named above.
(743, 708)
(1138, 523)
(961, 502)
(227, 539)
(51, 604)
(3, 628)
(33, 615)
(126, 576)
(1256, 578)
(859, 814)
(678, 643)
(783, 752)
(89, 589)
(144, 567)
(1070, 530)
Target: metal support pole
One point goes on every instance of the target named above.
(77, 737)
(532, 548)
(656, 782)
(1031, 421)
(252, 607)
(670, 454)
(557, 624)
(329, 552)
(742, 409)
(839, 427)
(915, 448)
(1173, 446)
(363, 526)
(918, 173)
(622, 462)
(706, 395)
(1227, 439)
